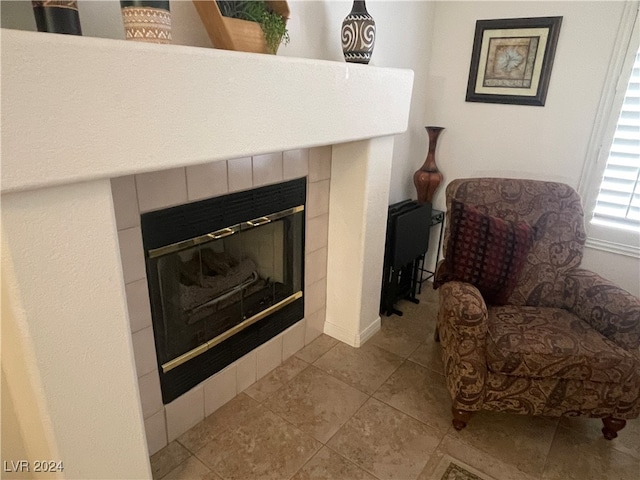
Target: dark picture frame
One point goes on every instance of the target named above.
(512, 59)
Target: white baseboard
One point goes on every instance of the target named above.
(354, 339)
(370, 331)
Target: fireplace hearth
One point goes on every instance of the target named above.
(225, 275)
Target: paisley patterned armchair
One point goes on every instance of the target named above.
(565, 341)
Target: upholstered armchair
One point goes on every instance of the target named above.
(524, 329)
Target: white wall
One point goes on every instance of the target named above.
(621, 269)
(514, 140)
(403, 40)
(549, 142)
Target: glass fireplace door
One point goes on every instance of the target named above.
(213, 286)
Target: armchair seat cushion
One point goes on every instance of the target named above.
(547, 342)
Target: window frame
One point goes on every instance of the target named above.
(601, 237)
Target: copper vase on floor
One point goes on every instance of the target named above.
(428, 178)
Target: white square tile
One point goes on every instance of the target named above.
(184, 412)
(240, 174)
(293, 339)
(132, 254)
(317, 235)
(295, 163)
(219, 389)
(144, 350)
(208, 180)
(268, 356)
(267, 169)
(246, 371)
(161, 189)
(125, 202)
(314, 325)
(315, 267)
(155, 428)
(320, 163)
(138, 305)
(317, 198)
(315, 297)
(150, 394)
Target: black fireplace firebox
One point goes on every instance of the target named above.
(225, 275)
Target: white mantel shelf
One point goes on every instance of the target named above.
(79, 111)
(78, 108)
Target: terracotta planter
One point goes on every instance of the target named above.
(146, 21)
(428, 178)
(232, 33)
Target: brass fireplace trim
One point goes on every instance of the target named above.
(223, 232)
(185, 357)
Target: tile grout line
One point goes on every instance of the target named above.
(299, 430)
(351, 418)
(411, 416)
(295, 426)
(223, 429)
(546, 457)
(338, 431)
(354, 463)
(322, 444)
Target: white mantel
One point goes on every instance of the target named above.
(78, 111)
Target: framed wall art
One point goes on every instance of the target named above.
(512, 59)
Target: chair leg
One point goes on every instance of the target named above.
(460, 418)
(436, 335)
(612, 426)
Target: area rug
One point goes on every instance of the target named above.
(450, 468)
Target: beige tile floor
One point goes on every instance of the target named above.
(382, 412)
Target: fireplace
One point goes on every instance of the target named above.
(65, 289)
(225, 275)
(216, 188)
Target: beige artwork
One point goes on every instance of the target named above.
(510, 62)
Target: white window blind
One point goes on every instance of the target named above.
(618, 201)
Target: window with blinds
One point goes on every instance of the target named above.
(618, 202)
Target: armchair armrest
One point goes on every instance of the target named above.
(462, 326)
(612, 311)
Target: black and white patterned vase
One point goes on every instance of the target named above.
(358, 34)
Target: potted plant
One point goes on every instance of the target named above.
(248, 26)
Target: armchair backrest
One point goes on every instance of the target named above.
(553, 209)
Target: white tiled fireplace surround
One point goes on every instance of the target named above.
(136, 194)
(78, 112)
